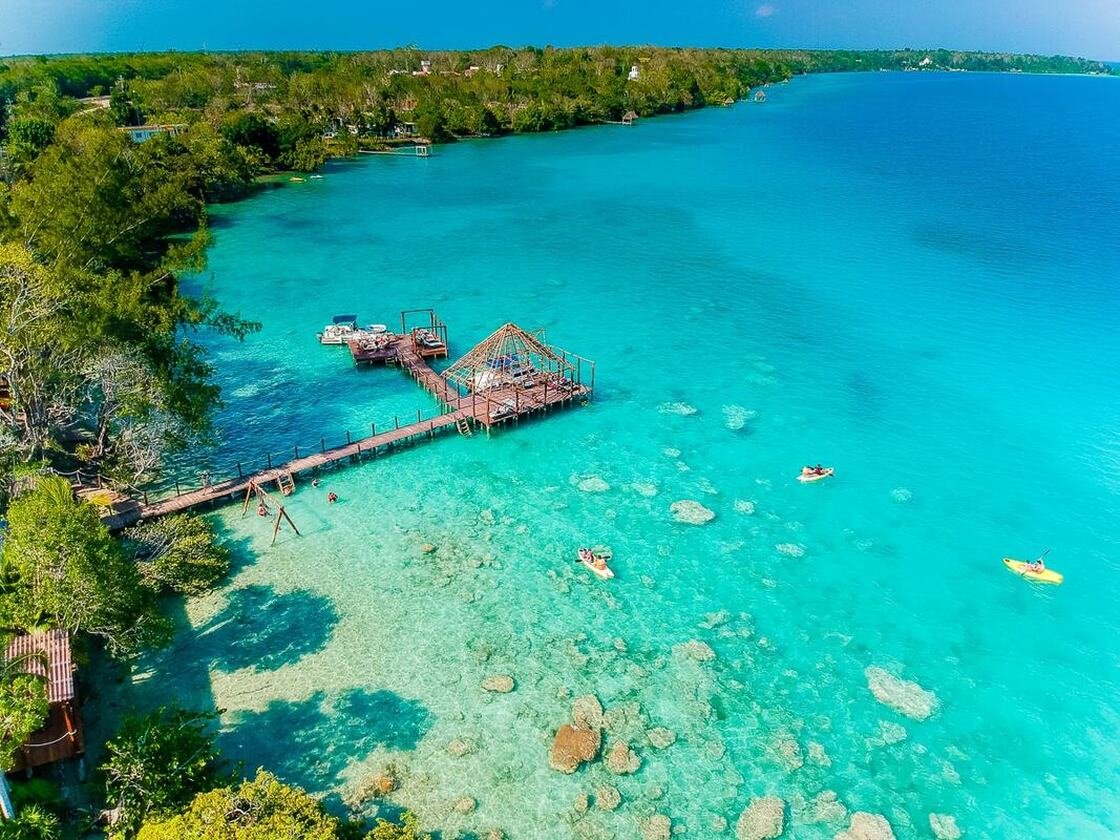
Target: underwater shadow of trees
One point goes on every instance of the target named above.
(310, 742)
(263, 630)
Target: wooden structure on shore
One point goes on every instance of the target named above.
(47, 655)
(510, 375)
(419, 150)
(627, 119)
(287, 484)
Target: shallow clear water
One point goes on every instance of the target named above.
(910, 277)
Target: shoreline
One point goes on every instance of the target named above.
(281, 177)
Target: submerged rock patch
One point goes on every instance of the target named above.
(587, 712)
(499, 684)
(865, 826)
(593, 484)
(691, 512)
(607, 798)
(459, 747)
(763, 819)
(695, 649)
(681, 408)
(905, 697)
(944, 827)
(827, 808)
(572, 746)
(622, 760)
(736, 417)
(657, 827)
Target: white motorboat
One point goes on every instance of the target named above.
(339, 330)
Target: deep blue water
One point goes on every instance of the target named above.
(914, 278)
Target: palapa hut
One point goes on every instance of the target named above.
(629, 117)
(47, 654)
(513, 372)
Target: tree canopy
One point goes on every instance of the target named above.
(156, 764)
(61, 567)
(262, 808)
(23, 709)
(178, 554)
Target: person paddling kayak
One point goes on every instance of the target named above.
(586, 555)
(1037, 567)
(816, 473)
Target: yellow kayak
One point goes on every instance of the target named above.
(1022, 568)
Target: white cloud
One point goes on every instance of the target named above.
(764, 11)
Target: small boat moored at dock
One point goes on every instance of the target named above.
(339, 330)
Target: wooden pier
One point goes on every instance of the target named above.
(509, 376)
(419, 150)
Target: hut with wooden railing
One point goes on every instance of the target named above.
(513, 372)
(47, 655)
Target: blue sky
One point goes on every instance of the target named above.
(1079, 27)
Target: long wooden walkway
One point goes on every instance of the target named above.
(493, 408)
(352, 452)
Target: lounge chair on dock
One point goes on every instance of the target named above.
(504, 409)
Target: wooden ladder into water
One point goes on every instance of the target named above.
(286, 482)
(464, 426)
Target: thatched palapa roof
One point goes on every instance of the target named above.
(507, 355)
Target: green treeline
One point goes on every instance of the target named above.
(303, 97)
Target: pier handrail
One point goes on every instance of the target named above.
(275, 460)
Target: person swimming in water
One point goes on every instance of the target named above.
(332, 497)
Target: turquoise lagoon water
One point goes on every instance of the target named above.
(911, 277)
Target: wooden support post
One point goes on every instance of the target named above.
(239, 473)
(347, 437)
(323, 443)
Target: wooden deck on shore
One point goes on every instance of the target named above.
(491, 408)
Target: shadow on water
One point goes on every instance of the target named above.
(310, 742)
(263, 630)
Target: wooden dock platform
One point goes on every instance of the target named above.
(495, 397)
